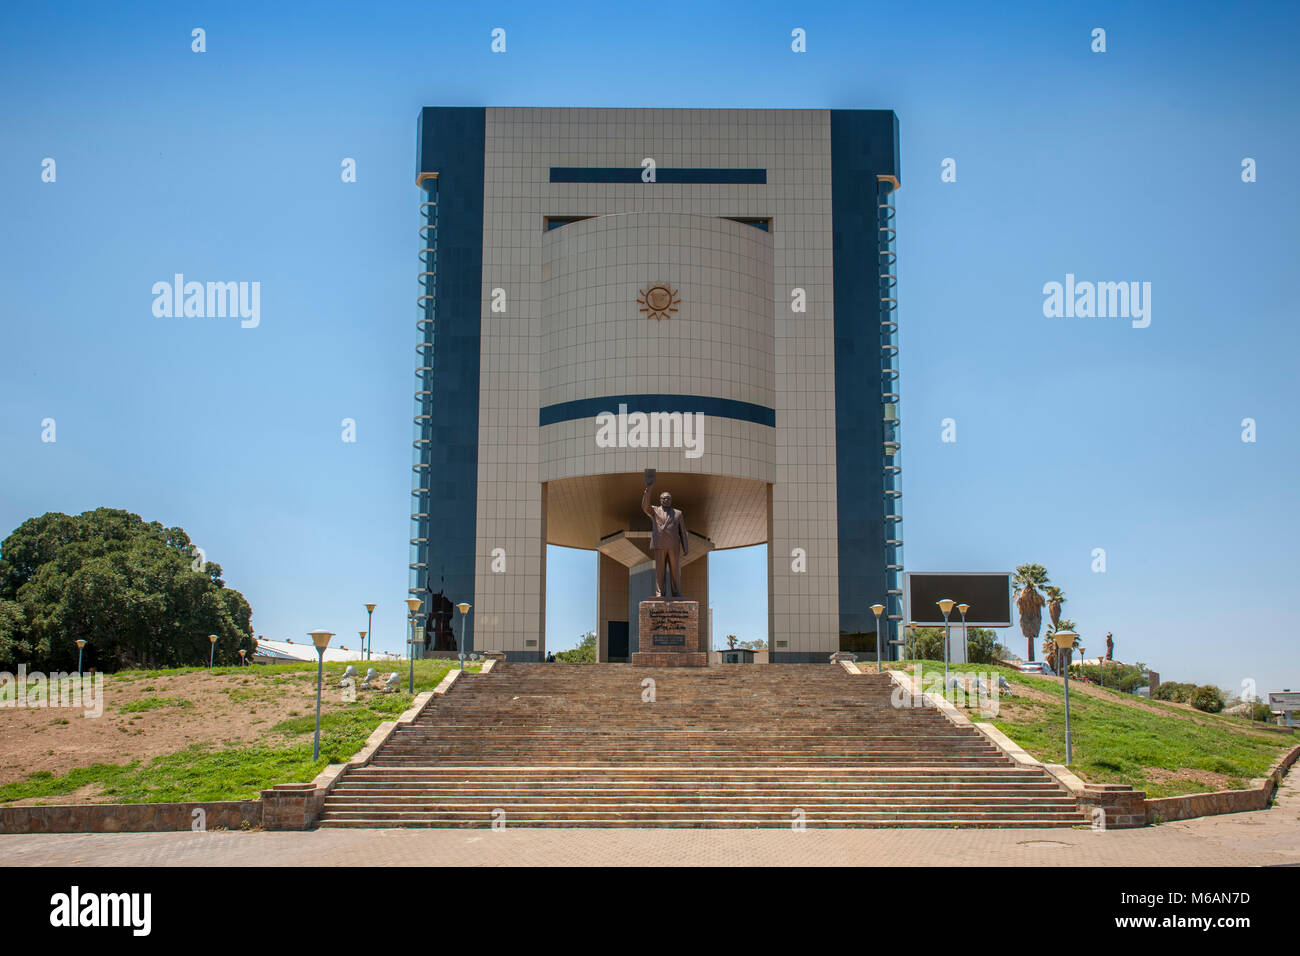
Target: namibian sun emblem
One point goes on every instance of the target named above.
(658, 301)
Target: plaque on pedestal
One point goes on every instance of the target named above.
(668, 635)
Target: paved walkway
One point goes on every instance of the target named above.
(1265, 837)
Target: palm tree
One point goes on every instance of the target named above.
(1027, 580)
(1055, 598)
(1049, 652)
(1050, 648)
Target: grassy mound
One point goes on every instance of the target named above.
(217, 769)
(1164, 748)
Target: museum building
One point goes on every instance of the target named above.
(709, 293)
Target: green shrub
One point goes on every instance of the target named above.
(1125, 677)
(1174, 691)
(1208, 698)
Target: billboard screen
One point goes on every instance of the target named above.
(1284, 701)
(987, 593)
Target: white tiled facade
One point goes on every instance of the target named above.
(571, 329)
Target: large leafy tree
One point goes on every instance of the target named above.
(584, 653)
(1027, 580)
(135, 591)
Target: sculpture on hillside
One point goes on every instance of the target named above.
(438, 633)
(1110, 647)
(667, 540)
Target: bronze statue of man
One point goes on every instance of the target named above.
(668, 540)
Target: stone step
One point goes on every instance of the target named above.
(741, 802)
(944, 771)
(656, 775)
(778, 790)
(673, 822)
(579, 738)
(692, 739)
(520, 817)
(952, 753)
(701, 785)
(599, 764)
(773, 755)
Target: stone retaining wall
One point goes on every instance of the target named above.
(131, 817)
(1256, 797)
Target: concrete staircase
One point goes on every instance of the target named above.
(735, 746)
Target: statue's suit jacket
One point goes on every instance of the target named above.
(667, 527)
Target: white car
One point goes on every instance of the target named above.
(1034, 667)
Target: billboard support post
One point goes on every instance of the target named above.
(965, 638)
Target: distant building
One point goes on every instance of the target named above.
(289, 652)
(738, 655)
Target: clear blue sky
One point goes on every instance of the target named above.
(1073, 434)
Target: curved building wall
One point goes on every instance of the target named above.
(714, 355)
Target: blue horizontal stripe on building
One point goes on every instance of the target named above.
(716, 407)
(664, 174)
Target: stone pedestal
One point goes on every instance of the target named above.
(668, 635)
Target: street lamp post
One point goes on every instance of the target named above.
(80, 644)
(322, 640)
(1064, 641)
(965, 640)
(945, 605)
(370, 617)
(413, 605)
(878, 609)
(212, 640)
(464, 610)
